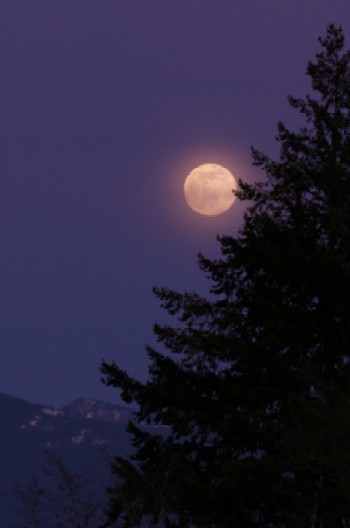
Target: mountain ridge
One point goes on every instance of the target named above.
(85, 434)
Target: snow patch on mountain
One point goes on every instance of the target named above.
(52, 412)
(79, 439)
(32, 423)
(91, 409)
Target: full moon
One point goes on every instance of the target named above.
(209, 189)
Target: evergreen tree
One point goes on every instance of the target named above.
(255, 389)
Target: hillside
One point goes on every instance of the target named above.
(85, 434)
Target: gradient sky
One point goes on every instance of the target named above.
(105, 108)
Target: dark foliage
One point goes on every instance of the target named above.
(256, 386)
(61, 498)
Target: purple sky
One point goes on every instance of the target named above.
(105, 108)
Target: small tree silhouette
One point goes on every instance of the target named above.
(61, 498)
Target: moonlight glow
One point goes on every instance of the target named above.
(209, 189)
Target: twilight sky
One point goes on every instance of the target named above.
(105, 108)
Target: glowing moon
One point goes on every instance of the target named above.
(209, 189)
